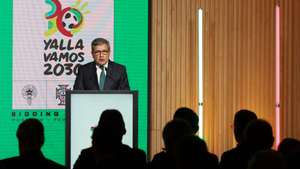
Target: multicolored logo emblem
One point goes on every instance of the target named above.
(68, 21)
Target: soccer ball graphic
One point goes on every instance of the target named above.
(70, 21)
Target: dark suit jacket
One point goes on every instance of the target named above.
(32, 160)
(116, 77)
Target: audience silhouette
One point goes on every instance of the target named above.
(290, 149)
(289, 145)
(258, 136)
(30, 136)
(191, 153)
(1, 165)
(267, 159)
(173, 131)
(189, 116)
(237, 157)
(107, 150)
(183, 148)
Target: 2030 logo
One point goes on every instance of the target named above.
(68, 21)
(63, 56)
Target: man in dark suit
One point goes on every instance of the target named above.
(101, 74)
(30, 136)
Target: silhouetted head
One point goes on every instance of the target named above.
(259, 135)
(289, 145)
(188, 115)
(30, 135)
(241, 120)
(110, 129)
(173, 131)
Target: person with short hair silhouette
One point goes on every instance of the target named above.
(189, 116)
(173, 131)
(258, 136)
(237, 157)
(290, 149)
(107, 150)
(30, 136)
(289, 145)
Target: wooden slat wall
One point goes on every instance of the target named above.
(239, 64)
(290, 68)
(174, 63)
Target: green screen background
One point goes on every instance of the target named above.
(130, 48)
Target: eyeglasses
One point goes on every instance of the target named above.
(99, 52)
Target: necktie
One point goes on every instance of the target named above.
(102, 78)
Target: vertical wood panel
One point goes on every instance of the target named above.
(168, 59)
(290, 69)
(173, 54)
(239, 64)
(178, 52)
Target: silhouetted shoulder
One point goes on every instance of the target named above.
(229, 156)
(13, 162)
(1, 165)
(235, 158)
(161, 160)
(86, 159)
(54, 165)
(20, 163)
(87, 151)
(159, 156)
(136, 158)
(213, 161)
(137, 155)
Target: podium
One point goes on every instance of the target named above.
(83, 111)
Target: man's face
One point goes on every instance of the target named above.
(101, 54)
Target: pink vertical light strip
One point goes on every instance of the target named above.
(277, 67)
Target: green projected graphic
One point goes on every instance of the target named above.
(130, 49)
